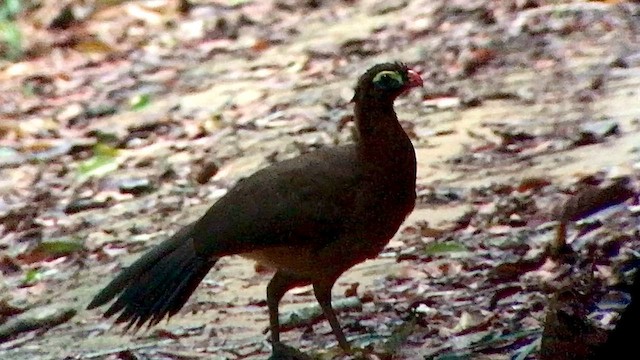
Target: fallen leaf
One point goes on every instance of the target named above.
(444, 248)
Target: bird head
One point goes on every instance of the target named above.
(385, 82)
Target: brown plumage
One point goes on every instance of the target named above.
(311, 217)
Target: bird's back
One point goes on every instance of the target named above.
(301, 201)
(308, 202)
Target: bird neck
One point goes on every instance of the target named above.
(382, 141)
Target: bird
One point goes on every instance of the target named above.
(310, 218)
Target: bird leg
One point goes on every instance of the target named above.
(278, 286)
(322, 291)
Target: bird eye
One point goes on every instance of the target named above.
(388, 80)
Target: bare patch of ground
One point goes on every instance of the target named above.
(544, 90)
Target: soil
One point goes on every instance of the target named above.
(514, 91)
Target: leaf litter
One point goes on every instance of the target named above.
(124, 120)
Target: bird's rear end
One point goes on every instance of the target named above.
(158, 284)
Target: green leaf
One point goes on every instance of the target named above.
(13, 6)
(105, 137)
(444, 248)
(10, 34)
(9, 9)
(239, 2)
(32, 276)
(139, 101)
(59, 247)
(102, 162)
(28, 89)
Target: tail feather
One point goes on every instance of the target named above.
(157, 285)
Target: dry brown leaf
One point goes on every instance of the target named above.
(93, 46)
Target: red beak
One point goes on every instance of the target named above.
(415, 80)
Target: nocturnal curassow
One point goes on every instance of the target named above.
(311, 217)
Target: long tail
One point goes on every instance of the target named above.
(156, 285)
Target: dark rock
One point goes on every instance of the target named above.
(595, 132)
(135, 186)
(83, 204)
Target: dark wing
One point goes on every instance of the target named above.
(300, 201)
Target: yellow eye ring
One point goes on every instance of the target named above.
(385, 78)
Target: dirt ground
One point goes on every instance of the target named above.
(516, 92)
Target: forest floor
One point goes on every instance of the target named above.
(123, 123)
